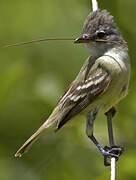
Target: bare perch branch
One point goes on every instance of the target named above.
(113, 168)
(94, 5)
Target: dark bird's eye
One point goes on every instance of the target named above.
(101, 34)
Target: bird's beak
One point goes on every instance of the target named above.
(82, 39)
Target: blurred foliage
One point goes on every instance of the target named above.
(32, 77)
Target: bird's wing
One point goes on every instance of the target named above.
(91, 81)
(83, 91)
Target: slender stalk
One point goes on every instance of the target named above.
(113, 168)
(94, 5)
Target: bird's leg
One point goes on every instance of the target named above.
(110, 114)
(113, 148)
(89, 131)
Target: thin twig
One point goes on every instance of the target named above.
(32, 41)
(113, 168)
(94, 5)
(108, 41)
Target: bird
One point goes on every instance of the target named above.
(101, 83)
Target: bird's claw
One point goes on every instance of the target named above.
(109, 152)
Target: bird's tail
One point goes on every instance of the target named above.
(24, 148)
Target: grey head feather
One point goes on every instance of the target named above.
(101, 20)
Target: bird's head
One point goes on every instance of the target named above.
(100, 32)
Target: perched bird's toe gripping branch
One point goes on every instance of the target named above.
(113, 150)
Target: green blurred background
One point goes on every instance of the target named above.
(32, 77)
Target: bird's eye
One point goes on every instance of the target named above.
(101, 34)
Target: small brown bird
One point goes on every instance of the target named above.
(101, 83)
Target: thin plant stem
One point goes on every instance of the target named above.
(94, 5)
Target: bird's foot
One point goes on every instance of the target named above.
(114, 151)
